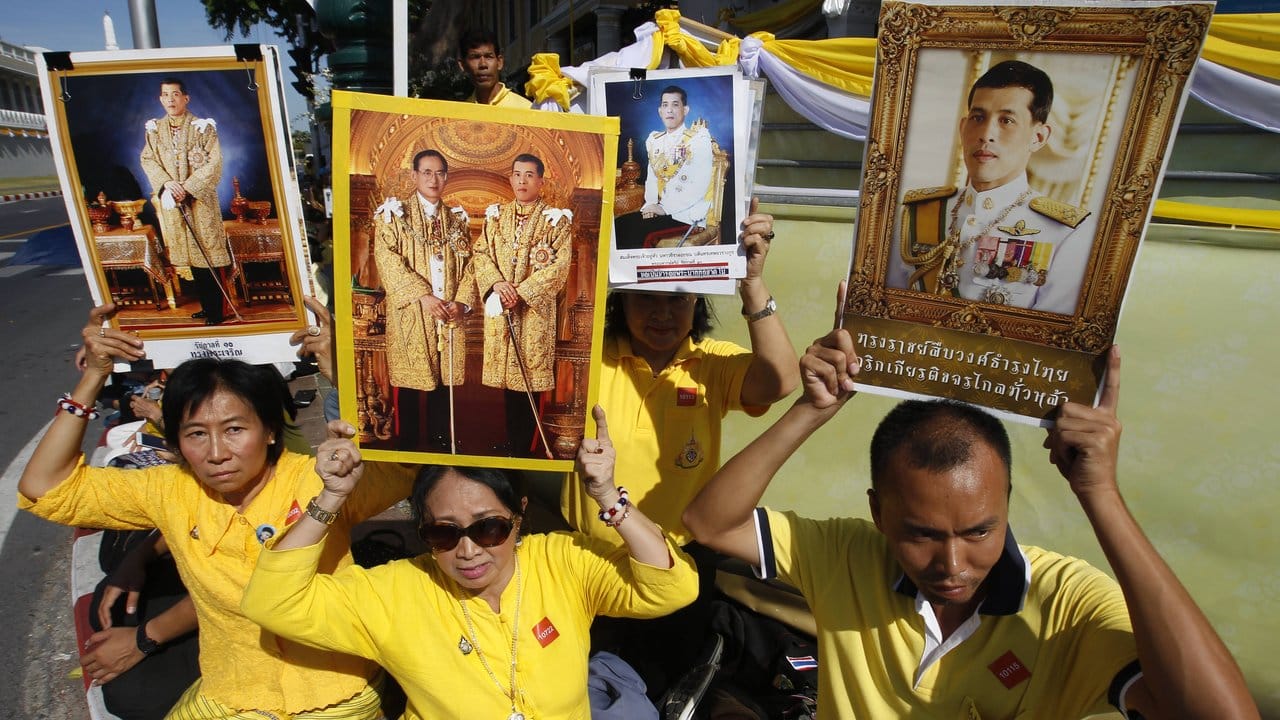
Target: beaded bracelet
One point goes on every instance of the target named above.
(76, 408)
(608, 514)
(618, 520)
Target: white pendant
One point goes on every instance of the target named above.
(464, 647)
(516, 716)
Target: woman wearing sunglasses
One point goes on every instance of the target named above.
(235, 486)
(490, 624)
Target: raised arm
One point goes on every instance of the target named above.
(339, 465)
(720, 516)
(596, 458)
(59, 451)
(1187, 671)
(773, 373)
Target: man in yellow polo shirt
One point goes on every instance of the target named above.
(933, 610)
(480, 57)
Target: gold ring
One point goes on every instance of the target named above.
(768, 236)
(333, 455)
(313, 330)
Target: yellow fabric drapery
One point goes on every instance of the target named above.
(1248, 42)
(846, 63)
(1214, 215)
(778, 16)
(546, 82)
(690, 49)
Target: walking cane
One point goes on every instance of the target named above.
(533, 406)
(448, 328)
(186, 218)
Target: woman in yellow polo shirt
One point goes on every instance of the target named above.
(235, 488)
(490, 624)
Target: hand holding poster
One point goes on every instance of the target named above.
(1011, 165)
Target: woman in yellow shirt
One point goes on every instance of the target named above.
(490, 624)
(235, 488)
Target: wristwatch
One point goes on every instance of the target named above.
(146, 645)
(319, 514)
(770, 307)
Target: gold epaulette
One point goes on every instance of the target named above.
(1068, 215)
(929, 193)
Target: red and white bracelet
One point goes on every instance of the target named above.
(619, 509)
(76, 408)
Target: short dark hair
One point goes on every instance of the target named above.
(615, 317)
(430, 153)
(195, 381)
(508, 485)
(936, 435)
(675, 90)
(1015, 73)
(476, 37)
(529, 158)
(174, 81)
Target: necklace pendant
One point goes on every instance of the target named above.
(464, 647)
(516, 716)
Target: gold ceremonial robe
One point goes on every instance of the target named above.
(191, 155)
(534, 256)
(418, 345)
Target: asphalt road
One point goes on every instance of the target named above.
(41, 311)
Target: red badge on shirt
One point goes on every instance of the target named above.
(1009, 670)
(295, 512)
(686, 397)
(545, 632)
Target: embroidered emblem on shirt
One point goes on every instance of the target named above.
(1009, 670)
(804, 662)
(545, 632)
(691, 456)
(295, 513)
(686, 396)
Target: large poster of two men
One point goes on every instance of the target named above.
(470, 305)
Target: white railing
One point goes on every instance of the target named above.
(22, 120)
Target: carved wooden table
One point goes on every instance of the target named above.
(136, 249)
(253, 242)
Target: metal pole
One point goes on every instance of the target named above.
(142, 20)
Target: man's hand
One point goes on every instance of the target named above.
(178, 192)
(757, 232)
(435, 307)
(146, 408)
(652, 210)
(1085, 442)
(507, 294)
(110, 653)
(596, 458)
(828, 368)
(316, 341)
(338, 461)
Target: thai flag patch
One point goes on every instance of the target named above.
(295, 512)
(802, 663)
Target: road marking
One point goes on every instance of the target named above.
(31, 231)
(6, 255)
(9, 482)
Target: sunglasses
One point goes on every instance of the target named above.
(487, 533)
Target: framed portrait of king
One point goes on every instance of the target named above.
(178, 177)
(471, 309)
(1011, 164)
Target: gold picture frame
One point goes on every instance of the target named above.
(1122, 74)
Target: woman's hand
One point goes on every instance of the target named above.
(110, 653)
(103, 345)
(596, 458)
(316, 341)
(338, 461)
(757, 233)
